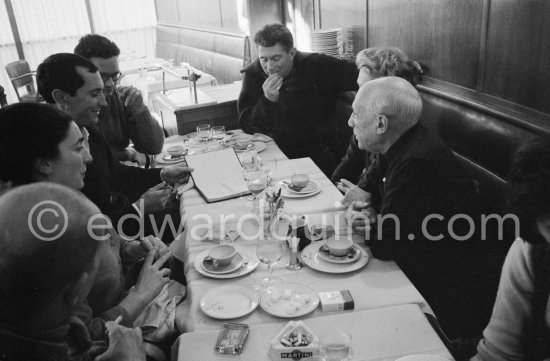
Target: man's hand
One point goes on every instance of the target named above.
(125, 344)
(352, 193)
(139, 249)
(361, 215)
(271, 87)
(176, 174)
(132, 98)
(154, 200)
(153, 277)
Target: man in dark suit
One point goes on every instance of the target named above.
(74, 85)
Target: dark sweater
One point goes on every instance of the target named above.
(301, 122)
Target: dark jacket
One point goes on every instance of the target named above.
(301, 122)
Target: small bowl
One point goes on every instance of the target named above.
(339, 247)
(176, 151)
(299, 181)
(222, 254)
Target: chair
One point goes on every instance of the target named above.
(21, 76)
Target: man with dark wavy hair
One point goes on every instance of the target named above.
(125, 118)
(291, 96)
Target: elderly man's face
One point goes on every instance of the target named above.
(84, 106)
(276, 60)
(364, 127)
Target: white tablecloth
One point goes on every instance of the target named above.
(380, 334)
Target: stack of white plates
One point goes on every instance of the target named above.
(337, 42)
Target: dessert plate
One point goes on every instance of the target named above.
(353, 255)
(289, 300)
(229, 302)
(236, 262)
(248, 265)
(310, 256)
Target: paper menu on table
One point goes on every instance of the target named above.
(217, 174)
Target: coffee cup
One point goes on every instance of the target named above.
(299, 181)
(339, 246)
(176, 151)
(222, 254)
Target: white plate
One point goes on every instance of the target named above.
(249, 264)
(274, 302)
(311, 187)
(423, 358)
(255, 146)
(310, 256)
(344, 259)
(229, 302)
(292, 194)
(236, 262)
(164, 157)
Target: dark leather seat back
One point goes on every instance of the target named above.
(483, 143)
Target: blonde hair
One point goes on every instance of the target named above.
(389, 61)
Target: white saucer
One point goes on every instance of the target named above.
(236, 262)
(310, 256)
(228, 302)
(288, 193)
(249, 264)
(311, 187)
(255, 146)
(166, 158)
(274, 302)
(353, 255)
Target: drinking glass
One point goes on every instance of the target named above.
(204, 132)
(248, 169)
(256, 182)
(269, 167)
(218, 133)
(269, 251)
(336, 345)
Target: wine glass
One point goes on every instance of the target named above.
(204, 132)
(269, 251)
(248, 169)
(256, 182)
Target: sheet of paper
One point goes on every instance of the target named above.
(217, 174)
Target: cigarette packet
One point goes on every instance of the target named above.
(336, 300)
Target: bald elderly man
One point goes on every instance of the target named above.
(48, 261)
(415, 186)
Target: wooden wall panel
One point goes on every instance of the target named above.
(260, 13)
(167, 11)
(444, 35)
(349, 13)
(203, 13)
(518, 53)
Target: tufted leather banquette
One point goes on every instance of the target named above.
(218, 53)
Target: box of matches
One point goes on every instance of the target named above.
(336, 300)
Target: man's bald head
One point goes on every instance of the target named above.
(44, 245)
(384, 109)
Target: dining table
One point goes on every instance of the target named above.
(388, 317)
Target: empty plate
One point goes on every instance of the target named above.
(229, 302)
(289, 300)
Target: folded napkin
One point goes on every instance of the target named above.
(158, 320)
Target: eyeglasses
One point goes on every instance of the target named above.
(114, 76)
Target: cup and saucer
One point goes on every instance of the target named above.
(299, 186)
(335, 255)
(224, 261)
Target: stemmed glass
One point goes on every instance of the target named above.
(256, 181)
(269, 251)
(269, 168)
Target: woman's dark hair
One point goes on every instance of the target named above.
(273, 34)
(94, 45)
(58, 71)
(28, 132)
(528, 193)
